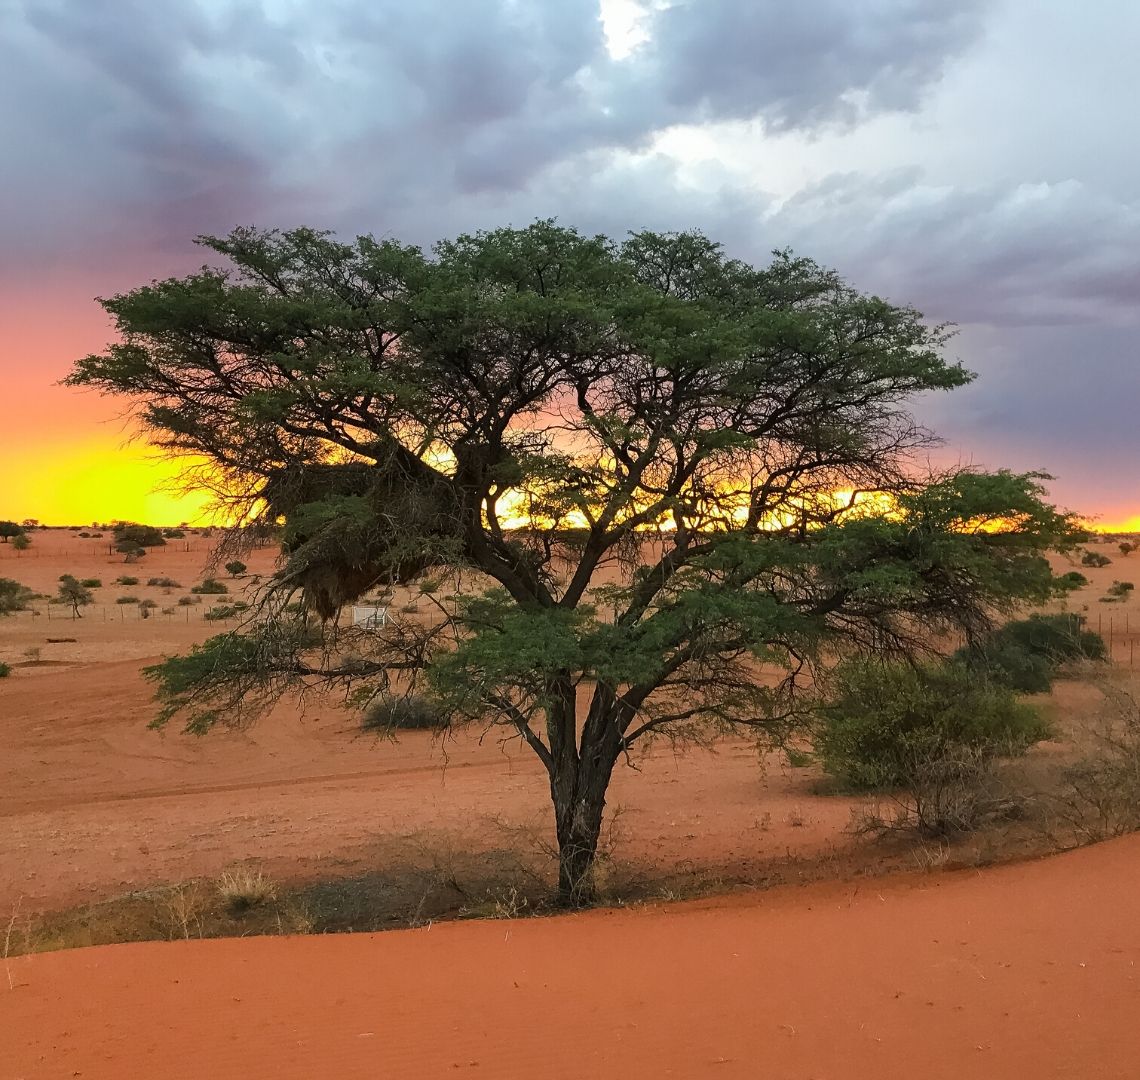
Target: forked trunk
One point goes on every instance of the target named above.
(578, 787)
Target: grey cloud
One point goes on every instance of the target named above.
(168, 110)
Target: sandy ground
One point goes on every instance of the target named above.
(1018, 972)
(93, 804)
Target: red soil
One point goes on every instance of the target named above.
(93, 804)
(1018, 972)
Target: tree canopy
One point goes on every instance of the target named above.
(675, 483)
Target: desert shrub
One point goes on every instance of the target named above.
(126, 600)
(1126, 548)
(931, 734)
(140, 535)
(1074, 579)
(1120, 588)
(84, 536)
(1026, 654)
(163, 583)
(187, 601)
(169, 610)
(5, 670)
(236, 568)
(241, 890)
(224, 611)
(1094, 558)
(412, 713)
(210, 587)
(173, 534)
(126, 580)
(1101, 793)
(14, 596)
(94, 583)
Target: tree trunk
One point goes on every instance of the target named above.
(578, 787)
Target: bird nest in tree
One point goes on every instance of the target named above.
(349, 528)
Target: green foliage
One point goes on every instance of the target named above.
(1074, 579)
(231, 677)
(21, 542)
(210, 587)
(236, 568)
(9, 529)
(126, 579)
(73, 593)
(96, 583)
(1025, 654)
(126, 600)
(391, 409)
(173, 534)
(885, 725)
(1120, 588)
(138, 535)
(387, 714)
(14, 596)
(1094, 558)
(186, 601)
(225, 611)
(5, 670)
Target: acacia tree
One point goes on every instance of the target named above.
(646, 458)
(74, 594)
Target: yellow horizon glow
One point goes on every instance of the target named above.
(100, 481)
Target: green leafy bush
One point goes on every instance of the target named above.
(210, 587)
(92, 583)
(163, 583)
(931, 732)
(14, 596)
(1074, 579)
(5, 670)
(225, 611)
(126, 600)
(126, 580)
(413, 713)
(1026, 654)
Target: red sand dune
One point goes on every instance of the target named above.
(1025, 971)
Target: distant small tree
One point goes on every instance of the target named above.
(8, 529)
(13, 596)
(21, 542)
(236, 568)
(30, 523)
(73, 593)
(1127, 548)
(130, 550)
(142, 535)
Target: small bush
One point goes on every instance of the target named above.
(187, 601)
(1074, 579)
(1120, 589)
(210, 587)
(1094, 558)
(414, 713)
(224, 611)
(5, 670)
(126, 580)
(236, 568)
(242, 890)
(163, 583)
(92, 583)
(1026, 654)
(173, 534)
(127, 600)
(931, 733)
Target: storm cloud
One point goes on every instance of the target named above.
(962, 157)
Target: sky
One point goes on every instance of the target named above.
(975, 159)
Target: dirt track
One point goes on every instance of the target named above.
(1028, 971)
